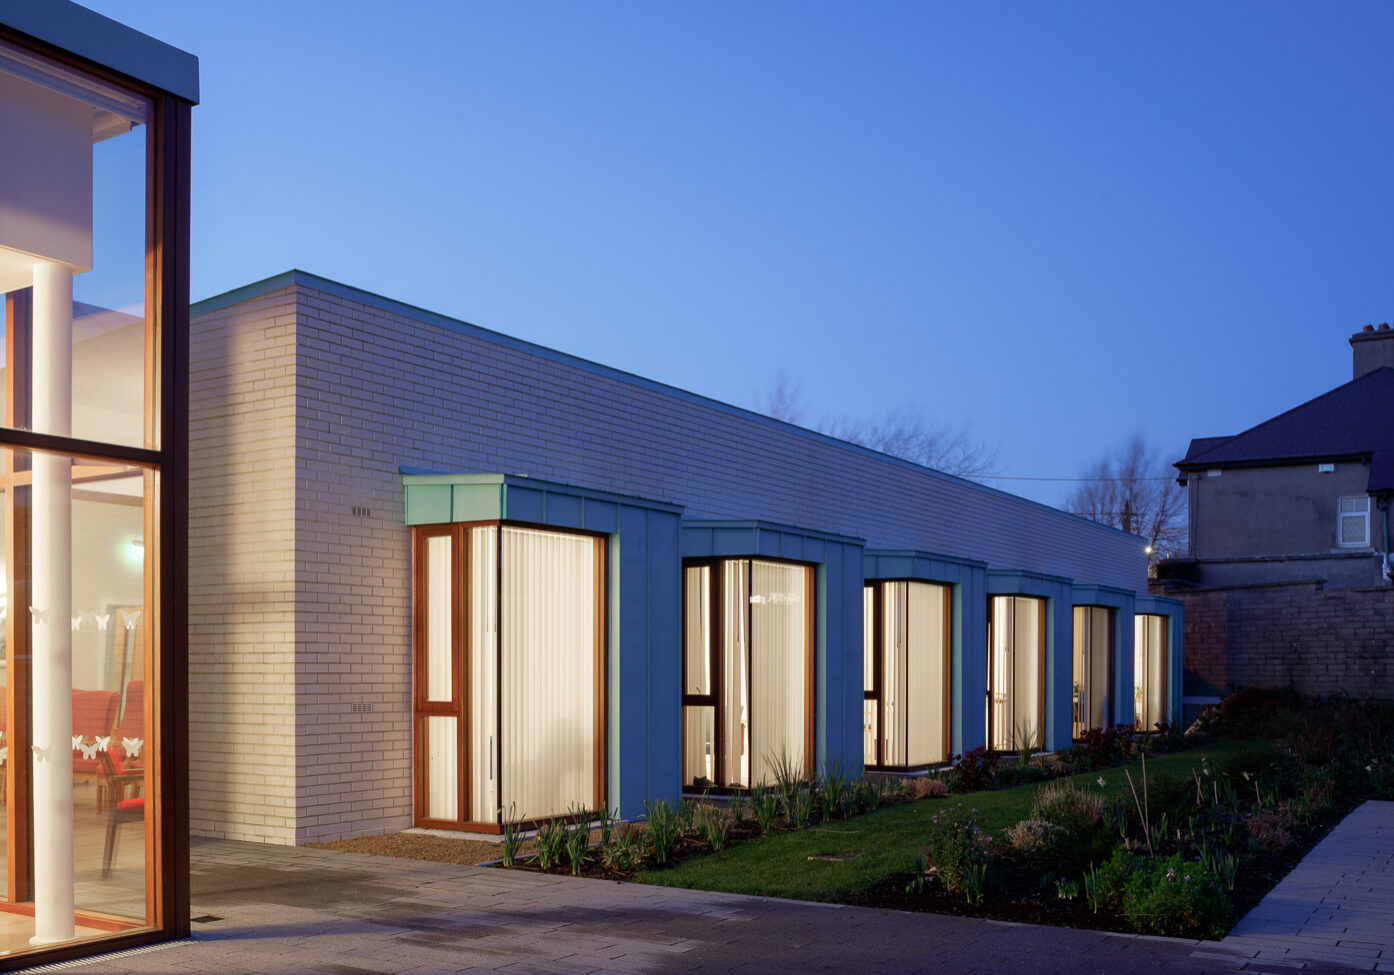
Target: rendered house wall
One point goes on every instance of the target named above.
(380, 386)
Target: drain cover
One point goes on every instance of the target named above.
(206, 918)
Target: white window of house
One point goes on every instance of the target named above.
(1354, 521)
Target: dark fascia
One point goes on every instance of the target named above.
(105, 42)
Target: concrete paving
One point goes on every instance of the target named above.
(281, 909)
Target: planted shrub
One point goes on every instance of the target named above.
(1170, 896)
(1272, 828)
(974, 770)
(623, 852)
(1106, 883)
(960, 853)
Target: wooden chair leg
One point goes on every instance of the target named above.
(110, 849)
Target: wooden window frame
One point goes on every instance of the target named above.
(1111, 651)
(460, 629)
(716, 699)
(879, 667)
(164, 459)
(1040, 665)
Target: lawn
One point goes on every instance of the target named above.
(832, 862)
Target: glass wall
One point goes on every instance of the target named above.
(79, 251)
(906, 632)
(509, 674)
(1015, 672)
(1093, 668)
(747, 670)
(1149, 670)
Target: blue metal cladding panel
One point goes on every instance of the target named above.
(968, 631)
(600, 516)
(853, 680)
(1057, 591)
(643, 707)
(1118, 707)
(525, 504)
(563, 510)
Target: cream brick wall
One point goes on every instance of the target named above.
(308, 403)
(242, 729)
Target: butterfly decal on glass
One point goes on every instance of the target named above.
(102, 620)
(129, 618)
(41, 754)
(89, 752)
(4, 754)
(77, 742)
(38, 615)
(132, 746)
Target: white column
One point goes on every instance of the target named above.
(52, 677)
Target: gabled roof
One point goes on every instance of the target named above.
(1352, 420)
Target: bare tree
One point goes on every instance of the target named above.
(909, 436)
(1135, 489)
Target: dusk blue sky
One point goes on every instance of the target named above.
(1060, 223)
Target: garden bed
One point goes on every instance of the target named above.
(1178, 843)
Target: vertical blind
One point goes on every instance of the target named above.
(547, 724)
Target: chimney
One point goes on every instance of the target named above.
(1373, 347)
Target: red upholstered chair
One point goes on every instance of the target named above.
(122, 810)
(127, 750)
(94, 716)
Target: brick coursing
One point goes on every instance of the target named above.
(1299, 634)
(305, 406)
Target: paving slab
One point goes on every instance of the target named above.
(301, 910)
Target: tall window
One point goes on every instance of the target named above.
(906, 664)
(87, 250)
(1016, 672)
(1093, 668)
(509, 674)
(747, 670)
(1149, 670)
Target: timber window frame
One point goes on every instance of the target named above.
(1091, 689)
(891, 650)
(1003, 676)
(728, 664)
(479, 690)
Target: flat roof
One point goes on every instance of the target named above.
(89, 35)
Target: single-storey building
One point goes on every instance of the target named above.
(441, 576)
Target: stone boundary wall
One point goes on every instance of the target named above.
(1296, 634)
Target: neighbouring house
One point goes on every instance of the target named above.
(1287, 581)
(94, 238)
(444, 577)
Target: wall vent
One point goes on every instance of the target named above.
(362, 512)
(361, 708)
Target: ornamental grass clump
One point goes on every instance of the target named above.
(551, 843)
(713, 825)
(764, 806)
(664, 829)
(1088, 836)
